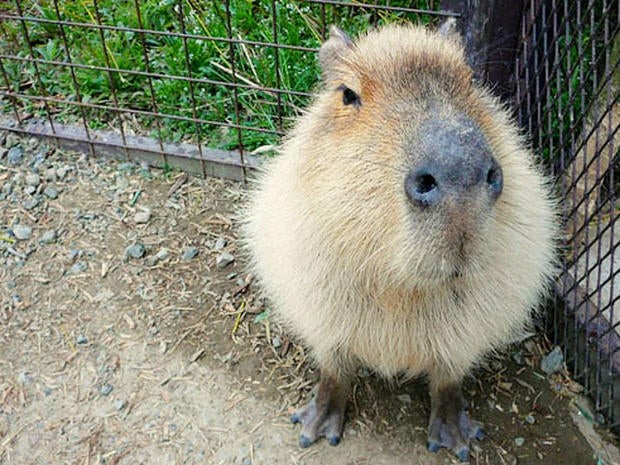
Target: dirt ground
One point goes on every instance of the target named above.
(126, 338)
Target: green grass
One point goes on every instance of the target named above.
(299, 23)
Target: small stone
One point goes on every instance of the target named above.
(223, 260)
(50, 174)
(11, 284)
(529, 419)
(135, 251)
(62, 172)
(16, 155)
(78, 267)
(142, 216)
(7, 188)
(51, 192)
(47, 390)
(48, 237)
(32, 179)
(553, 361)
(220, 243)
(162, 254)
(74, 253)
(189, 253)
(119, 404)
(276, 342)
(25, 378)
(246, 461)
(81, 339)
(105, 389)
(30, 203)
(30, 190)
(22, 232)
(519, 441)
(404, 398)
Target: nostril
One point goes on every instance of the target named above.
(425, 184)
(495, 180)
(422, 187)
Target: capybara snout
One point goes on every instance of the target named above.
(454, 160)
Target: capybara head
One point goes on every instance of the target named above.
(422, 167)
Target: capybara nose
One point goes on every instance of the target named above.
(455, 161)
(428, 185)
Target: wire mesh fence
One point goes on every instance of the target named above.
(206, 85)
(569, 76)
(220, 74)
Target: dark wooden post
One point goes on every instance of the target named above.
(491, 30)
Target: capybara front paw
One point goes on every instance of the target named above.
(319, 420)
(454, 432)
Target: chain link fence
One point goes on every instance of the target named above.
(208, 86)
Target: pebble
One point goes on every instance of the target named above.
(223, 260)
(220, 243)
(48, 237)
(189, 253)
(142, 216)
(81, 339)
(51, 192)
(530, 419)
(246, 461)
(30, 190)
(50, 174)
(22, 232)
(32, 179)
(62, 172)
(105, 389)
(162, 254)
(78, 267)
(519, 441)
(25, 378)
(553, 361)
(16, 155)
(276, 342)
(119, 404)
(47, 390)
(30, 203)
(135, 251)
(404, 398)
(7, 188)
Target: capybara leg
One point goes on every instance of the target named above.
(323, 416)
(450, 425)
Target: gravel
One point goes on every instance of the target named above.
(48, 237)
(224, 259)
(519, 441)
(30, 203)
(16, 155)
(78, 267)
(51, 192)
(220, 243)
(142, 216)
(135, 251)
(553, 362)
(22, 232)
(189, 253)
(106, 389)
(33, 179)
(81, 339)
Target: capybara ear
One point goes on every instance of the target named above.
(450, 28)
(332, 50)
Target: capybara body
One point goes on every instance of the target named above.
(404, 227)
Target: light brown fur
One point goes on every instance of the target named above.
(350, 268)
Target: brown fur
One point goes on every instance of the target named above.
(353, 270)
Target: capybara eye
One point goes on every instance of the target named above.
(349, 97)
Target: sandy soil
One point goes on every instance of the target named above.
(110, 359)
